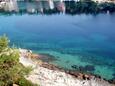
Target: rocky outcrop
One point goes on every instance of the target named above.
(44, 73)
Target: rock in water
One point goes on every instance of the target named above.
(87, 68)
(74, 66)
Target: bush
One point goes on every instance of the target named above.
(23, 82)
(10, 69)
(3, 42)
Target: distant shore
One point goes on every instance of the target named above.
(44, 73)
(67, 7)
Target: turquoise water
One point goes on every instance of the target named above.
(73, 40)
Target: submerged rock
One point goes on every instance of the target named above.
(74, 66)
(47, 58)
(87, 68)
(114, 75)
(67, 61)
(97, 76)
(51, 66)
(112, 81)
(90, 67)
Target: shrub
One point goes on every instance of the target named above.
(3, 42)
(23, 82)
(10, 69)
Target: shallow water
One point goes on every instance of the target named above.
(73, 40)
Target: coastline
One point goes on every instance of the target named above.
(98, 6)
(44, 73)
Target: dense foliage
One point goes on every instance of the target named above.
(88, 6)
(11, 71)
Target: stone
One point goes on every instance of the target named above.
(67, 61)
(50, 66)
(35, 56)
(86, 77)
(81, 68)
(112, 81)
(97, 76)
(47, 58)
(87, 68)
(75, 74)
(15, 85)
(113, 74)
(74, 66)
(80, 76)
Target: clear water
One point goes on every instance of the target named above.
(73, 40)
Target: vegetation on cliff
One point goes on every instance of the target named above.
(11, 71)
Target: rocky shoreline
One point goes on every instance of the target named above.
(76, 74)
(44, 68)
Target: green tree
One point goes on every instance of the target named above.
(11, 71)
(3, 42)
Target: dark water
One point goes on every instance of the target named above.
(73, 40)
